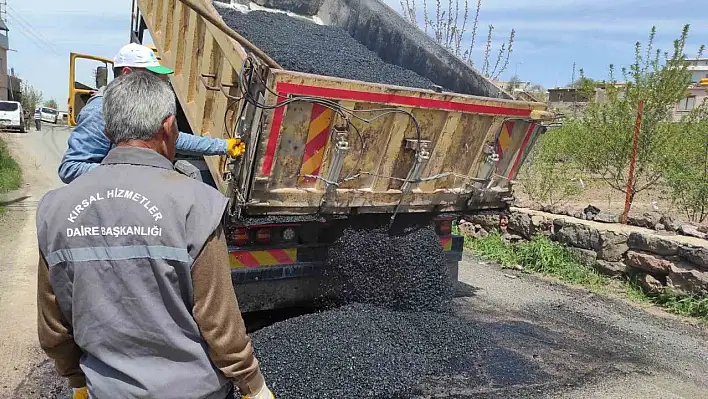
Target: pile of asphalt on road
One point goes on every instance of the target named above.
(397, 335)
(303, 46)
(364, 351)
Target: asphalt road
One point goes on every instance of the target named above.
(544, 339)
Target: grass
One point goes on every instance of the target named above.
(539, 255)
(10, 172)
(543, 256)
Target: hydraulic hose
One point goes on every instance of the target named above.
(199, 9)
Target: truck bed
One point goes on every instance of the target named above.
(320, 144)
(337, 47)
(303, 46)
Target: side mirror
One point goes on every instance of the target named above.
(101, 76)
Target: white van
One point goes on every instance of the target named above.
(12, 116)
(49, 114)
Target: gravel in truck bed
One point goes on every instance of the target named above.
(303, 46)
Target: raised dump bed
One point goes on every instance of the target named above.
(345, 109)
(399, 125)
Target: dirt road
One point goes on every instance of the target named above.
(545, 340)
(39, 154)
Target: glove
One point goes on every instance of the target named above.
(80, 393)
(264, 393)
(235, 147)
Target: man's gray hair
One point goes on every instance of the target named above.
(135, 105)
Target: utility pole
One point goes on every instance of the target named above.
(574, 91)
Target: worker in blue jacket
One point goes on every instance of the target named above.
(88, 144)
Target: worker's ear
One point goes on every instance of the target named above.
(125, 70)
(169, 127)
(169, 139)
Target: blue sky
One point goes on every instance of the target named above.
(551, 35)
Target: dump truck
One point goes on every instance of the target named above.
(323, 150)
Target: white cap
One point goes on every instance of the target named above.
(134, 55)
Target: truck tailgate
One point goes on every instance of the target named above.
(307, 160)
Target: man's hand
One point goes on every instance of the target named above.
(235, 147)
(264, 393)
(80, 393)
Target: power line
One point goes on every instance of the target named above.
(32, 35)
(31, 31)
(34, 41)
(19, 16)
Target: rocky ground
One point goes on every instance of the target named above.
(659, 260)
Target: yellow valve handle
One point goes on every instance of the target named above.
(81, 393)
(235, 147)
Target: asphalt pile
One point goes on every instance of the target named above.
(395, 336)
(402, 267)
(303, 46)
(365, 351)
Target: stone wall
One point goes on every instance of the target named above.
(658, 260)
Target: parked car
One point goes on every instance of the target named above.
(12, 116)
(49, 114)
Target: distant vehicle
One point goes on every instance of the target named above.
(49, 114)
(12, 116)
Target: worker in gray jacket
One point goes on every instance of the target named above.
(134, 289)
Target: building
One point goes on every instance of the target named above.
(4, 46)
(697, 91)
(698, 68)
(572, 101)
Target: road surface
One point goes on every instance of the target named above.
(39, 154)
(546, 339)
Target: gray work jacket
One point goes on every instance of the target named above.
(120, 242)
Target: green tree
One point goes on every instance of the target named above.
(547, 176)
(30, 97)
(604, 133)
(51, 103)
(449, 26)
(685, 164)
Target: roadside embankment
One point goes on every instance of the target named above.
(670, 266)
(10, 172)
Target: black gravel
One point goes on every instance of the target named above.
(400, 268)
(364, 351)
(303, 46)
